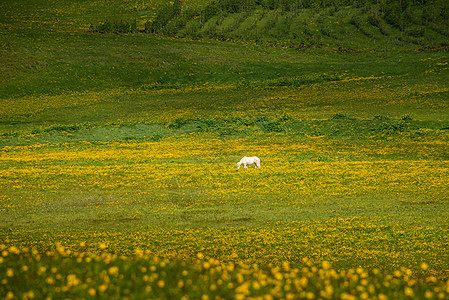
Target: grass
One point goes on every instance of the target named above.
(79, 188)
(120, 151)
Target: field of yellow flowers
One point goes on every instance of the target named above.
(343, 207)
(62, 274)
(118, 155)
(174, 218)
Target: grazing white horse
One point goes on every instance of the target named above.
(245, 161)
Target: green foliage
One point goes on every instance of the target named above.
(338, 126)
(235, 126)
(269, 125)
(274, 21)
(339, 116)
(165, 15)
(416, 31)
(115, 27)
(57, 128)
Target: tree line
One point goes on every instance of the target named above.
(406, 15)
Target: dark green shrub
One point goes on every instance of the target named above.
(381, 118)
(356, 21)
(269, 125)
(339, 116)
(274, 126)
(115, 27)
(394, 127)
(415, 31)
(178, 123)
(165, 15)
(406, 118)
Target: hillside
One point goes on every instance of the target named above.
(56, 73)
(351, 24)
(359, 24)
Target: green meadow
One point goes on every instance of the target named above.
(118, 152)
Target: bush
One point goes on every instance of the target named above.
(339, 116)
(178, 123)
(394, 127)
(165, 15)
(356, 21)
(115, 27)
(415, 31)
(57, 128)
(406, 118)
(269, 125)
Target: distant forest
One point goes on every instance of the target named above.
(423, 22)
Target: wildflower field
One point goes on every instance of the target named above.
(118, 173)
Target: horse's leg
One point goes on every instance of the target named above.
(245, 166)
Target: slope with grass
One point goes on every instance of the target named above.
(347, 24)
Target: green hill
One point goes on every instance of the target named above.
(359, 24)
(375, 24)
(57, 71)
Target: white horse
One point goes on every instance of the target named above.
(245, 161)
